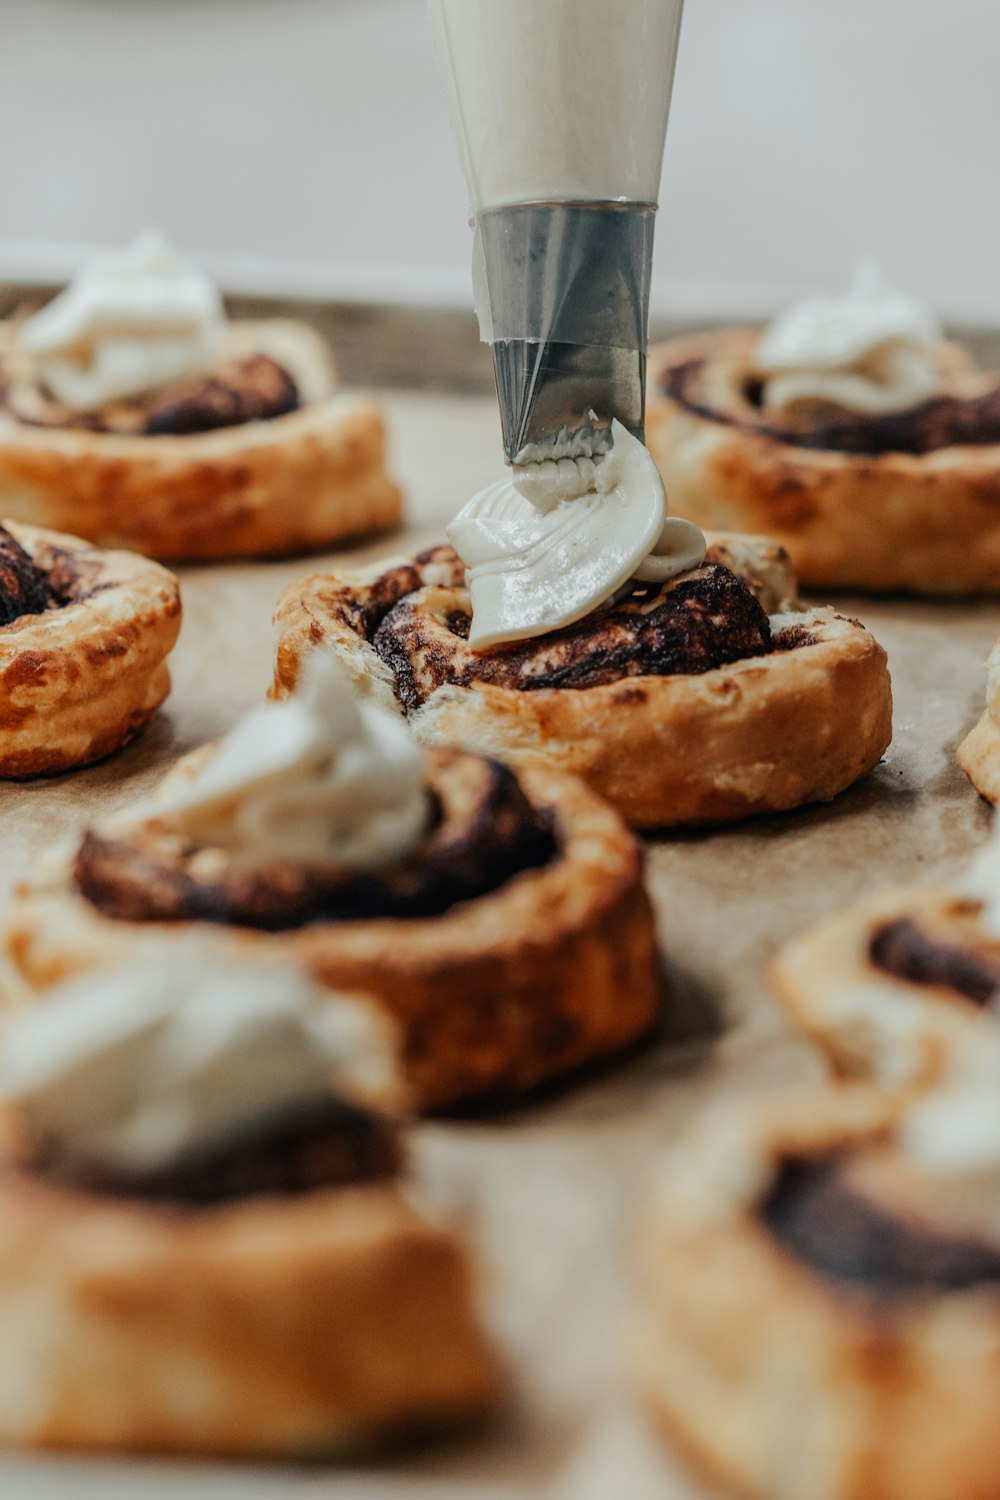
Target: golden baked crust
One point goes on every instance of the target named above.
(296, 482)
(979, 752)
(273, 1325)
(776, 1380)
(761, 734)
(924, 523)
(554, 968)
(79, 681)
(897, 988)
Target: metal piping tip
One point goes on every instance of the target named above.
(559, 400)
(563, 297)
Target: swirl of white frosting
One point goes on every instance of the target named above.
(873, 349)
(321, 779)
(548, 545)
(130, 321)
(135, 1068)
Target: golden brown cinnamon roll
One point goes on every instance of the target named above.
(979, 752)
(133, 413)
(902, 987)
(84, 637)
(498, 916)
(709, 697)
(820, 1298)
(888, 500)
(226, 1252)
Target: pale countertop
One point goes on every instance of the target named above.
(304, 144)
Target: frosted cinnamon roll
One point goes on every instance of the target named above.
(133, 413)
(820, 1297)
(849, 430)
(498, 916)
(206, 1159)
(676, 674)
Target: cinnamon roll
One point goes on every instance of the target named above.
(877, 465)
(210, 1243)
(709, 697)
(979, 752)
(84, 637)
(132, 413)
(497, 915)
(820, 1297)
(902, 987)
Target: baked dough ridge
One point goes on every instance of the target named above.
(759, 735)
(295, 483)
(872, 1024)
(917, 523)
(773, 1380)
(553, 969)
(79, 681)
(273, 1326)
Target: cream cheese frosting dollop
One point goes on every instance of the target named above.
(873, 349)
(323, 778)
(557, 539)
(130, 321)
(135, 1068)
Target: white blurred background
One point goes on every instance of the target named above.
(302, 147)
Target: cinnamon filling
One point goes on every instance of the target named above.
(820, 1218)
(231, 393)
(902, 949)
(485, 833)
(324, 1143)
(942, 422)
(24, 587)
(689, 625)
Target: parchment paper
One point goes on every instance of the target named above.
(549, 1192)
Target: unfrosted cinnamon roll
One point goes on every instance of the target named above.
(84, 637)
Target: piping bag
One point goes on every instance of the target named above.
(560, 109)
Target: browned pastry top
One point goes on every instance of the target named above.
(484, 832)
(235, 390)
(823, 1218)
(322, 1143)
(906, 950)
(690, 625)
(943, 422)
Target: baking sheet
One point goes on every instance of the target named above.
(549, 1192)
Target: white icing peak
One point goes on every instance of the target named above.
(136, 1068)
(955, 1132)
(548, 545)
(871, 350)
(321, 779)
(131, 321)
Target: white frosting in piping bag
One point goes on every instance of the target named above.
(548, 545)
(321, 779)
(135, 1068)
(131, 321)
(870, 350)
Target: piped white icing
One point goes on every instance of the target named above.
(137, 1067)
(321, 779)
(130, 321)
(548, 545)
(874, 349)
